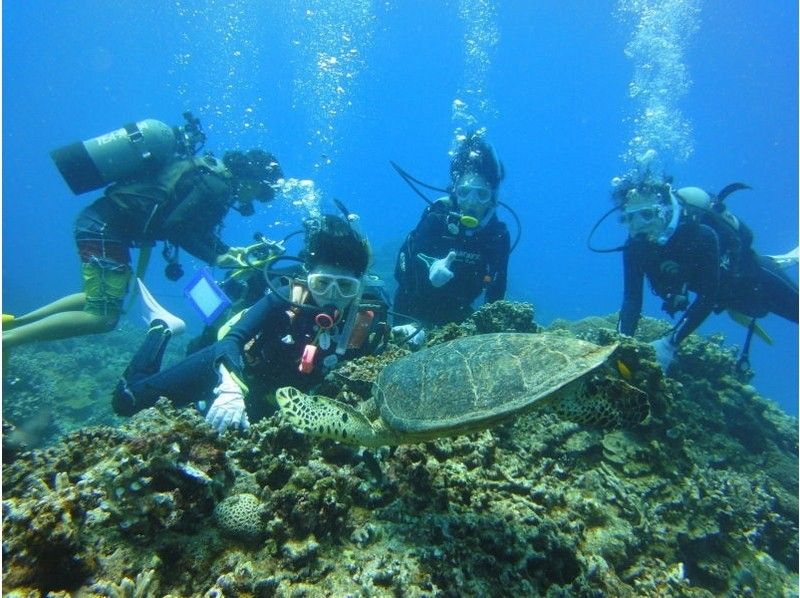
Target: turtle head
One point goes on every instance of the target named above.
(327, 418)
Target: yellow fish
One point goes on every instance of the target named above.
(624, 370)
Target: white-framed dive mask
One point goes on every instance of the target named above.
(649, 216)
(474, 196)
(333, 286)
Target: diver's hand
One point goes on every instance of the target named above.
(407, 333)
(233, 257)
(228, 409)
(440, 273)
(665, 352)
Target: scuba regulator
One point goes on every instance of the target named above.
(455, 219)
(131, 151)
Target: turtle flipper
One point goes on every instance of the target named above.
(326, 418)
(605, 402)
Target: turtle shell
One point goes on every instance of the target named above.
(471, 381)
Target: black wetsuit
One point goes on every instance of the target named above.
(480, 265)
(707, 257)
(263, 348)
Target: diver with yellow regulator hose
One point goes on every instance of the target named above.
(460, 248)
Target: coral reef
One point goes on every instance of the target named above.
(699, 500)
(50, 389)
(239, 517)
(500, 316)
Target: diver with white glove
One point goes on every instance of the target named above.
(440, 273)
(459, 250)
(291, 336)
(228, 408)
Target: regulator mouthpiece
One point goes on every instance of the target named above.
(469, 221)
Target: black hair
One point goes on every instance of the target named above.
(645, 183)
(256, 165)
(476, 155)
(332, 241)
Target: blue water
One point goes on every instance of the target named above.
(336, 89)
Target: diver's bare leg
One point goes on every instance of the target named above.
(65, 324)
(74, 302)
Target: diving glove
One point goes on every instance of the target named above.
(665, 352)
(228, 409)
(409, 333)
(440, 273)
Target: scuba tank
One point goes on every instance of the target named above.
(699, 198)
(133, 150)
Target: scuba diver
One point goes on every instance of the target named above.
(158, 191)
(684, 241)
(324, 313)
(460, 248)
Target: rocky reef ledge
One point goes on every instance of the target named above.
(700, 500)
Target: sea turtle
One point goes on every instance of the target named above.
(471, 384)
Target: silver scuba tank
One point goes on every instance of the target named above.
(132, 150)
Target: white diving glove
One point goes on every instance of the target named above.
(407, 333)
(440, 273)
(665, 352)
(228, 409)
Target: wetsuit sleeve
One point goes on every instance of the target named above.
(498, 267)
(706, 251)
(633, 284)
(262, 316)
(193, 222)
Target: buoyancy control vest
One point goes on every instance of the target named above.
(146, 203)
(736, 238)
(367, 335)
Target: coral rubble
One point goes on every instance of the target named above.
(700, 500)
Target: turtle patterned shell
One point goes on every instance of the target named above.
(480, 378)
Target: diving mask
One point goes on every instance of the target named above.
(640, 217)
(473, 193)
(326, 285)
(650, 215)
(475, 200)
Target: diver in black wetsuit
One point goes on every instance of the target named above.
(291, 336)
(460, 248)
(684, 241)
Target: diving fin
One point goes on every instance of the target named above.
(745, 321)
(141, 268)
(785, 260)
(152, 310)
(8, 320)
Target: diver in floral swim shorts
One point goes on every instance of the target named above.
(183, 205)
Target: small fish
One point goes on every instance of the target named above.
(624, 370)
